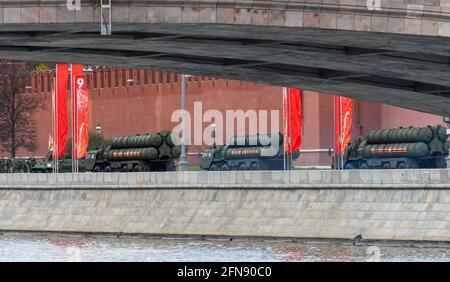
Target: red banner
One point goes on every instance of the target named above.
(82, 116)
(292, 113)
(60, 110)
(77, 70)
(343, 123)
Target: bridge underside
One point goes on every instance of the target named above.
(404, 70)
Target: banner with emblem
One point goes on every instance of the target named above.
(82, 116)
(343, 123)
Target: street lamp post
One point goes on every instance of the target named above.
(98, 131)
(183, 164)
(214, 134)
(448, 157)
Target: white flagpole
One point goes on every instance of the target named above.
(75, 114)
(76, 118)
(74, 121)
(72, 109)
(290, 131)
(334, 126)
(342, 133)
(284, 129)
(53, 120)
(57, 127)
(55, 138)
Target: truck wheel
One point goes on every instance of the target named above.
(97, 168)
(242, 167)
(363, 166)
(254, 167)
(402, 165)
(108, 168)
(225, 167)
(213, 167)
(125, 168)
(349, 166)
(386, 166)
(137, 168)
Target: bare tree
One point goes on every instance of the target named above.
(17, 125)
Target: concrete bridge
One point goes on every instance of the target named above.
(395, 52)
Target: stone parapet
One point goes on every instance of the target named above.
(421, 178)
(395, 16)
(219, 206)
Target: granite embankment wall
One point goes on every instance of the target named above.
(381, 205)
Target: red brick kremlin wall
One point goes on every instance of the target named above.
(126, 102)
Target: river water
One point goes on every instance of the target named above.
(80, 248)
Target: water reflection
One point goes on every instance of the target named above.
(71, 248)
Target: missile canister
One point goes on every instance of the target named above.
(175, 151)
(413, 150)
(268, 139)
(400, 135)
(255, 140)
(139, 141)
(446, 146)
(172, 139)
(243, 152)
(441, 133)
(132, 154)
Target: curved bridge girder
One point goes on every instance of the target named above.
(409, 71)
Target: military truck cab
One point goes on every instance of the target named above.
(94, 162)
(45, 166)
(207, 159)
(64, 164)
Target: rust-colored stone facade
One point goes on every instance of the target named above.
(125, 102)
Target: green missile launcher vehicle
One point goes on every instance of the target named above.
(151, 152)
(412, 147)
(255, 152)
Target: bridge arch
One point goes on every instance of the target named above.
(300, 43)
